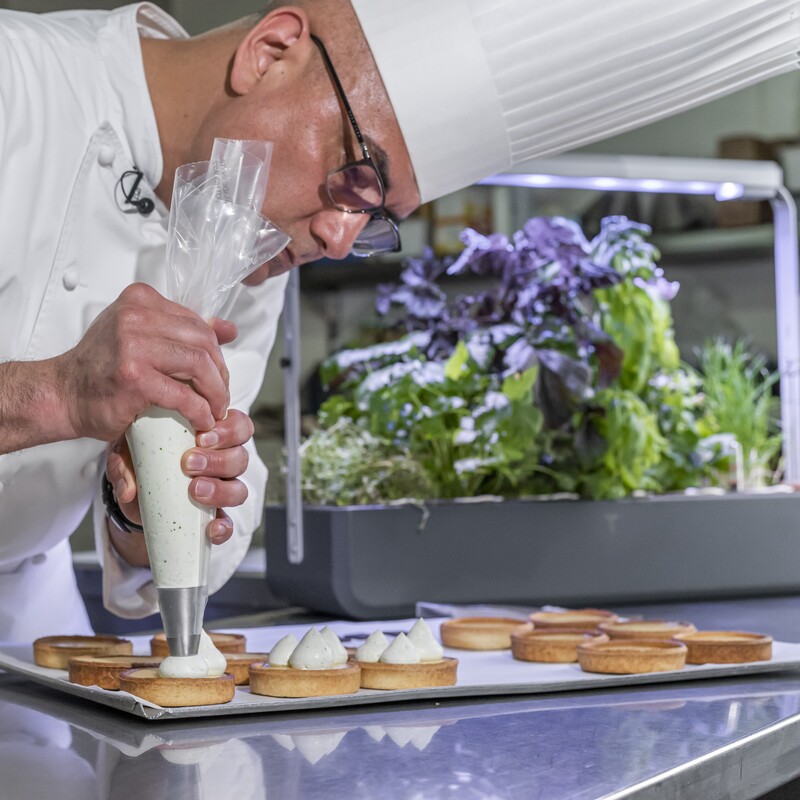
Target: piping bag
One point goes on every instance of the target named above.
(216, 237)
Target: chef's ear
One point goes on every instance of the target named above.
(267, 43)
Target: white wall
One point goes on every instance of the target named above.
(769, 110)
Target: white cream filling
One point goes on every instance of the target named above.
(335, 644)
(373, 647)
(312, 652)
(400, 651)
(421, 637)
(279, 655)
(183, 667)
(217, 663)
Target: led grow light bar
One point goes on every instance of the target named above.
(726, 179)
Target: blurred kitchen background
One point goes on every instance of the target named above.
(721, 253)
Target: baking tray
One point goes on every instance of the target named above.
(480, 674)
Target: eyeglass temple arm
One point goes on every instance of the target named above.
(340, 90)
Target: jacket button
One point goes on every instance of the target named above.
(70, 279)
(105, 155)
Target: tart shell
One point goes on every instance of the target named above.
(55, 651)
(556, 646)
(583, 618)
(377, 675)
(224, 642)
(632, 656)
(104, 671)
(276, 681)
(726, 647)
(177, 692)
(646, 629)
(238, 664)
(480, 633)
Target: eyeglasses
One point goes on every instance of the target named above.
(357, 187)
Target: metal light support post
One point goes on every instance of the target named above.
(291, 416)
(726, 179)
(787, 292)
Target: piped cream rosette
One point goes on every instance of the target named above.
(317, 665)
(410, 661)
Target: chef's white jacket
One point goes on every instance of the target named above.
(75, 114)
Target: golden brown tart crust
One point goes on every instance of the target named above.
(55, 651)
(279, 681)
(480, 633)
(177, 692)
(583, 618)
(238, 664)
(377, 675)
(646, 629)
(554, 646)
(726, 647)
(626, 657)
(104, 671)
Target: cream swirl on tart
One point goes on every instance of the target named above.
(312, 668)
(401, 665)
(279, 655)
(372, 648)
(208, 663)
(312, 652)
(421, 637)
(335, 643)
(216, 661)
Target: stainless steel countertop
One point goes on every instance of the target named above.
(729, 739)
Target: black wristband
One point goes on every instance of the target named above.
(114, 511)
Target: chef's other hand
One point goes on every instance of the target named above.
(144, 350)
(215, 466)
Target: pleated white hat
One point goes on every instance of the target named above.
(481, 85)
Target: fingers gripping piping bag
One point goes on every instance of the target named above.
(217, 237)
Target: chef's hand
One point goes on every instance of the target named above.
(214, 466)
(142, 351)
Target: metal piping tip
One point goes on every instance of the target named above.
(182, 613)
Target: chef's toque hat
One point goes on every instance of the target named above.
(481, 85)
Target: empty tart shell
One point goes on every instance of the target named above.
(586, 619)
(104, 671)
(726, 647)
(55, 651)
(480, 633)
(147, 684)
(224, 642)
(238, 664)
(629, 656)
(377, 675)
(556, 646)
(279, 681)
(646, 629)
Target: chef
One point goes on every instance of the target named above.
(373, 106)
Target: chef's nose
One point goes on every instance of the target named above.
(335, 231)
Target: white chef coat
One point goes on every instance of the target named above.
(75, 114)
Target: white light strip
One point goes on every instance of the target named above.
(726, 190)
(725, 179)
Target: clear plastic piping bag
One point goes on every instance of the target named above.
(217, 235)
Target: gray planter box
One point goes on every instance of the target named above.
(372, 562)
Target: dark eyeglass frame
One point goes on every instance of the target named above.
(378, 213)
